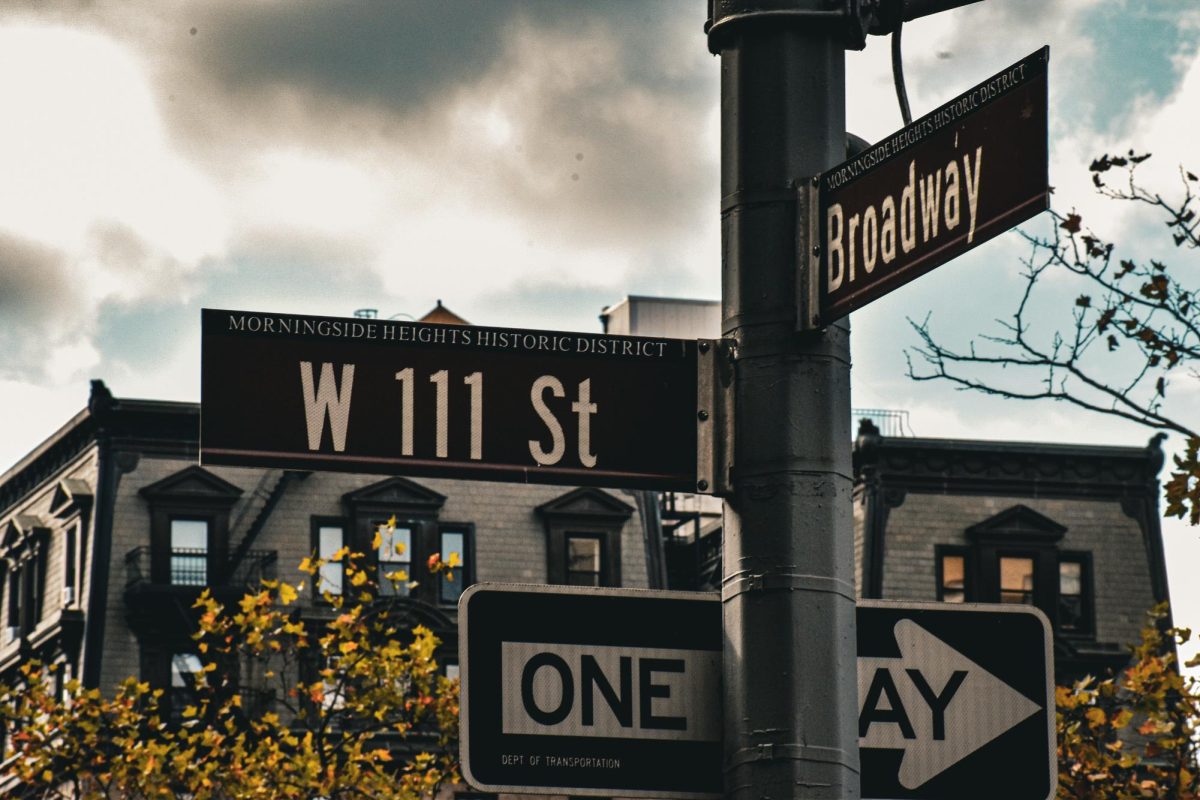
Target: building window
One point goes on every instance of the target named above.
(189, 528)
(333, 685)
(329, 536)
(26, 590)
(71, 564)
(585, 560)
(395, 558)
(454, 548)
(185, 672)
(1016, 579)
(1074, 593)
(189, 552)
(1015, 558)
(952, 574)
(12, 622)
(583, 537)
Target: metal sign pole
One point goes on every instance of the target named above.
(790, 693)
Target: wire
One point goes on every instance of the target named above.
(898, 75)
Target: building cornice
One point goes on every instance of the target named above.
(1023, 469)
(148, 426)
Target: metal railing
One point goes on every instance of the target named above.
(195, 567)
(889, 421)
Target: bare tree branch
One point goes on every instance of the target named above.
(1132, 328)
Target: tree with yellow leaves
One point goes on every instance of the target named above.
(1132, 736)
(359, 709)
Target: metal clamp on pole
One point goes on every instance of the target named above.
(890, 14)
(784, 578)
(714, 416)
(808, 255)
(725, 16)
(792, 751)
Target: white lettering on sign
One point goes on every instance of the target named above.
(610, 691)
(441, 383)
(323, 399)
(933, 703)
(326, 401)
(930, 205)
(583, 407)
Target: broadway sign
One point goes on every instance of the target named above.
(945, 184)
(365, 395)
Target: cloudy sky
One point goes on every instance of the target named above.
(526, 162)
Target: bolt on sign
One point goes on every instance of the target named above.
(924, 195)
(390, 396)
(585, 691)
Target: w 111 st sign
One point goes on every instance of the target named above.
(943, 185)
(365, 395)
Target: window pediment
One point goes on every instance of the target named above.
(399, 494)
(192, 485)
(586, 502)
(20, 528)
(71, 495)
(1017, 524)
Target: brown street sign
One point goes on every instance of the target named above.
(396, 397)
(924, 195)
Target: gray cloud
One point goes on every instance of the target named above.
(403, 56)
(38, 305)
(385, 79)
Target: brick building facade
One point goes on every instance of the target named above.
(110, 529)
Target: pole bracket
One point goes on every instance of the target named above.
(853, 16)
(782, 581)
(791, 751)
(714, 416)
(808, 255)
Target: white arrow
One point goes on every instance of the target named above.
(934, 703)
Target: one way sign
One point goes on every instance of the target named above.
(575, 691)
(955, 701)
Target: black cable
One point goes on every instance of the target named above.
(898, 75)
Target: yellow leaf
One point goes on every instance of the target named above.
(377, 542)
(453, 560)
(348, 647)
(392, 522)
(236, 700)
(287, 593)
(307, 566)
(1096, 716)
(359, 578)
